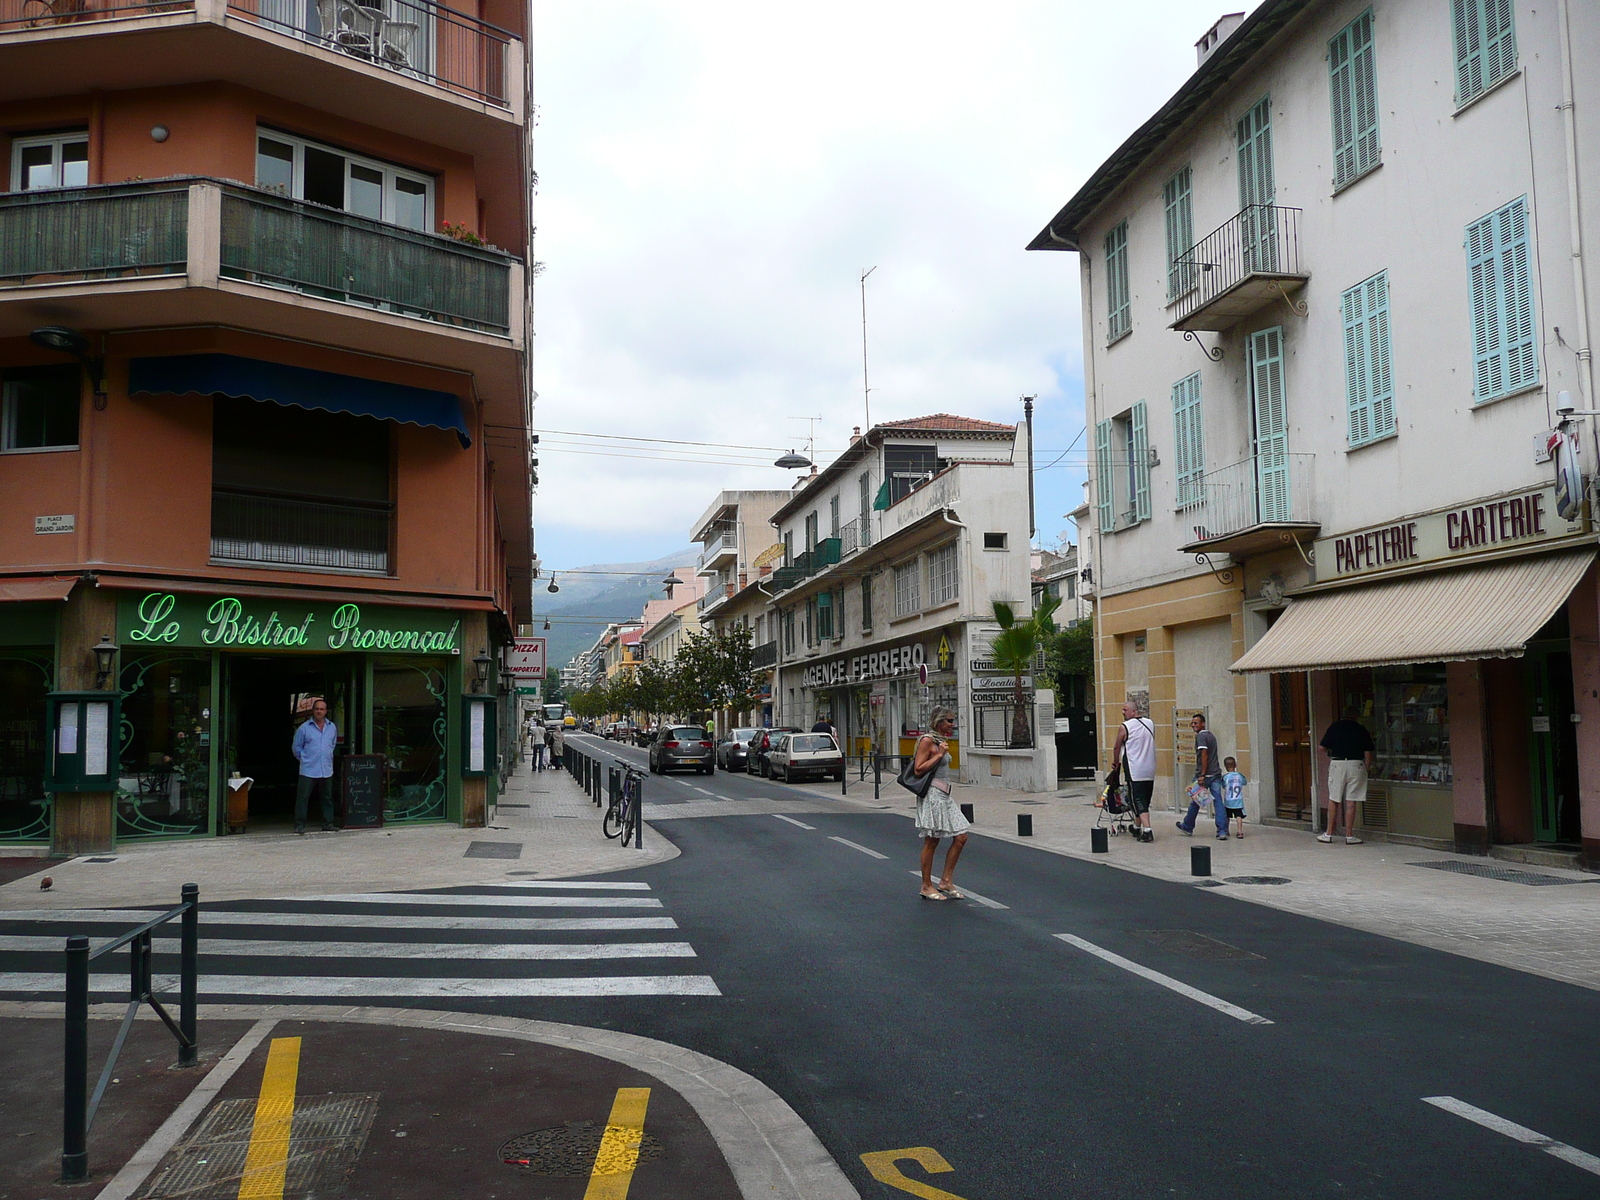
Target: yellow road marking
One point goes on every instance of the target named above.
(619, 1148)
(882, 1165)
(267, 1162)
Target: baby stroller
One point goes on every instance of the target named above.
(1115, 812)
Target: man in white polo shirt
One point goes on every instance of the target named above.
(1136, 747)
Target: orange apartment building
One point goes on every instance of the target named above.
(264, 431)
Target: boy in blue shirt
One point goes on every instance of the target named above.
(1233, 794)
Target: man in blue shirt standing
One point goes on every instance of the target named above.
(314, 744)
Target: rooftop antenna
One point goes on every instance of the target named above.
(811, 441)
(866, 391)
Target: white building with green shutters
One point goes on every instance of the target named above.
(1335, 291)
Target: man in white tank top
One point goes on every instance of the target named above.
(1135, 752)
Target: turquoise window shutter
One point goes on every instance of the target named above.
(1486, 45)
(1188, 440)
(1369, 382)
(1104, 489)
(1140, 454)
(1511, 243)
(1119, 318)
(1353, 84)
(1178, 206)
(1257, 187)
(1505, 351)
(1488, 352)
(1271, 425)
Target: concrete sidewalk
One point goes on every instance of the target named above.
(545, 814)
(1542, 920)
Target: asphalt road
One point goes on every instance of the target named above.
(1037, 1069)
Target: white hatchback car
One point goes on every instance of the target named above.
(796, 755)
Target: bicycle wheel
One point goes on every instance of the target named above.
(615, 821)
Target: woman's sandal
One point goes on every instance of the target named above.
(934, 896)
(950, 892)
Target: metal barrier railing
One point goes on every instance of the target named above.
(604, 783)
(78, 1106)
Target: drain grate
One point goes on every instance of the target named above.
(327, 1137)
(1268, 879)
(566, 1151)
(1508, 874)
(1209, 883)
(494, 850)
(1194, 945)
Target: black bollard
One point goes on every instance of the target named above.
(1199, 860)
(966, 811)
(1024, 824)
(1099, 843)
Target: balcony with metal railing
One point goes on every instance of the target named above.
(122, 249)
(254, 527)
(721, 549)
(1247, 262)
(764, 655)
(716, 594)
(1246, 508)
(849, 538)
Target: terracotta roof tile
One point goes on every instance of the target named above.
(938, 421)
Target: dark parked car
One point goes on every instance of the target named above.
(761, 745)
(679, 746)
(733, 753)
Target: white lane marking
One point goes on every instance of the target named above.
(137, 1169)
(792, 821)
(854, 846)
(397, 898)
(569, 885)
(213, 918)
(1166, 981)
(315, 986)
(1521, 1133)
(970, 894)
(294, 948)
(703, 792)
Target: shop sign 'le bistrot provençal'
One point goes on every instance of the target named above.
(228, 623)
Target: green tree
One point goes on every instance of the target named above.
(1070, 655)
(714, 671)
(1017, 647)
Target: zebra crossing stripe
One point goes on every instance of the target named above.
(393, 899)
(316, 987)
(497, 951)
(213, 918)
(615, 885)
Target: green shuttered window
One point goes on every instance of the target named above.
(1119, 316)
(1369, 382)
(1188, 440)
(1139, 461)
(1104, 488)
(1355, 101)
(1271, 425)
(1486, 45)
(1504, 353)
(1178, 202)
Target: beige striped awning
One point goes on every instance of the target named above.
(1487, 611)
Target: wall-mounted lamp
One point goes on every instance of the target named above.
(105, 655)
(72, 343)
(481, 665)
(159, 133)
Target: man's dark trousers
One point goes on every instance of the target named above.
(302, 799)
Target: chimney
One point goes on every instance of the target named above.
(855, 434)
(1216, 35)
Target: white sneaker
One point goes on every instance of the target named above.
(1352, 841)
(1324, 837)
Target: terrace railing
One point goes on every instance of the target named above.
(112, 232)
(251, 526)
(1260, 239)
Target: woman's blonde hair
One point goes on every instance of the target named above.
(941, 713)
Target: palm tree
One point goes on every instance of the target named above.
(1016, 648)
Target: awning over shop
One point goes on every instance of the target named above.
(255, 379)
(35, 588)
(1488, 611)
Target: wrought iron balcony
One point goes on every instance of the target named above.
(764, 655)
(213, 231)
(253, 526)
(1251, 507)
(1250, 260)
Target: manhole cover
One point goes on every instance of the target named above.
(1209, 883)
(494, 850)
(1193, 945)
(1507, 874)
(1256, 879)
(566, 1151)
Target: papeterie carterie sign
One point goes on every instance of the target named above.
(837, 672)
(150, 619)
(1526, 517)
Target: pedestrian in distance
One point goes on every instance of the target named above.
(1133, 754)
(824, 725)
(313, 746)
(937, 814)
(558, 745)
(1349, 750)
(537, 738)
(1208, 775)
(1233, 794)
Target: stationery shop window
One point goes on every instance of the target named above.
(39, 408)
(50, 160)
(299, 488)
(367, 187)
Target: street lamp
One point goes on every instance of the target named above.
(481, 663)
(553, 587)
(73, 344)
(105, 653)
(793, 462)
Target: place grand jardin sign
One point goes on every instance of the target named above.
(152, 619)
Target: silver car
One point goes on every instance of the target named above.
(797, 755)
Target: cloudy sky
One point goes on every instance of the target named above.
(715, 176)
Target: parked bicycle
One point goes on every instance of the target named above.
(622, 814)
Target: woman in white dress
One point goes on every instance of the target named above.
(937, 814)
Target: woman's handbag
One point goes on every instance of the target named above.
(917, 785)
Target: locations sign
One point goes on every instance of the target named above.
(526, 660)
(230, 623)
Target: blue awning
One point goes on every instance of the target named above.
(253, 379)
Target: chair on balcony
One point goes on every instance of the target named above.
(396, 45)
(354, 28)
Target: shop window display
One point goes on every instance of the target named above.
(164, 780)
(24, 804)
(409, 727)
(1406, 711)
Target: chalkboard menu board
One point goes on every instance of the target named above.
(360, 790)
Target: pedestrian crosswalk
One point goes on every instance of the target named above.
(506, 940)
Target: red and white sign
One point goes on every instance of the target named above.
(526, 660)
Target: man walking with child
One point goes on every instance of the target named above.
(1208, 777)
